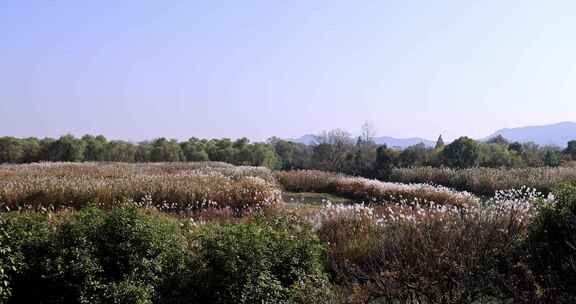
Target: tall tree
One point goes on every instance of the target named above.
(95, 147)
(385, 161)
(367, 133)
(464, 152)
(164, 150)
(120, 151)
(499, 140)
(571, 150)
(11, 150)
(332, 150)
(439, 143)
(414, 155)
(67, 148)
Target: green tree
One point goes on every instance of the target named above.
(221, 150)
(414, 155)
(571, 150)
(31, 150)
(164, 150)
(552, 158)
(143, 152)
(292, 155)
(264, 155)
(11, 150)
(385, 161)
(67, 148)
(516, 147)
(532, 155)
(439, 143)
(120, 151)
(495, 155)
(95, 147)
(193, 150)
(461, 153)
(499, 140)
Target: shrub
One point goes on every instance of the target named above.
(8, 262)
(264, 261)
(552, 246)
(95, 257)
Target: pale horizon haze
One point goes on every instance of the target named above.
(139, 70)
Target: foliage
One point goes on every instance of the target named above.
(333, 150)
(94, 257)
(552, 246)
(385, 160)
(571, 149)
(461, 153)
(127, 255)
(266, 261)
(8, 262)
(97, 148)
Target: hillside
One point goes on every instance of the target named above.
(555, 134)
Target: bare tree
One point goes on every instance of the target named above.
(365, 151)
(332, 149)
(368, 132)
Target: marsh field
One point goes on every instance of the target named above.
(211, 232)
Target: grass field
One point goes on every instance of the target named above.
(161, 231)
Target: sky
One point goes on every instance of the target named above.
(139, 70)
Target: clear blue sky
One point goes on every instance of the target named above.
(144, 69)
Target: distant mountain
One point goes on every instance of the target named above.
(402, 143)
(389, 141)
(556, 134)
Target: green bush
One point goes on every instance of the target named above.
(551, 246)
(127, 256)
(8, 264)
(274, 261)
(95, 257)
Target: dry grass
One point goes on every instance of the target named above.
(486, 181)
(183, 187)
(421, 256)
(372, 191)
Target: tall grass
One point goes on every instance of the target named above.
(171, 187)
(372, 191)
(428, 254)
(486, 181)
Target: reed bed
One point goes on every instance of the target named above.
(412, 253)
(181, 187)
(373, 191)
(486, 181)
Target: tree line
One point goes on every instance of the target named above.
(334, 150)
(97, 148)
(338, 151)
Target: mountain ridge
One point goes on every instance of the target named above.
(557, 134)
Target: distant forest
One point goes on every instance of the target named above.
(334, 150)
